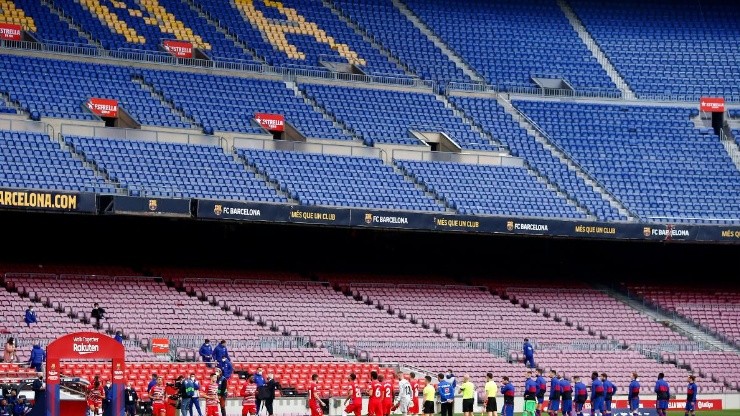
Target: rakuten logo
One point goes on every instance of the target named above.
(84, 349)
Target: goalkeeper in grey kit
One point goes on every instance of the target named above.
(404, 394)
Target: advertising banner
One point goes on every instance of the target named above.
(103, 107)
(161, 345)
(271, 122)
(47, 200)
(244, 211)
(178, 48)
(9, 31)
(712, 104)
(151, 206)
(319, 215)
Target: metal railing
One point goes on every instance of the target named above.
(231, 64)
(328, 148)
(138, 134)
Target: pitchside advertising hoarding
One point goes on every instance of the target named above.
(271, 122)
(103, 107)
(178, 48)
(9, 31)
(712, 104)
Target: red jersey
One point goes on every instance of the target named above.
(95, 395)
(212, 394)
(314, 390)
(387, 390)
(157, 394)
(249, 394)
(414, 389)
(376, 391)
(356, 393)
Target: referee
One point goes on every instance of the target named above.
(429, 393)
(467, 388)
(491, 390)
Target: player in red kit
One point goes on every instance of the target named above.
(387, 386)
(414, 408)
(249, 397)
(158, 398)
(375, 404)
(314, 401)
(354, 397)
(95, 396)
(213, 404)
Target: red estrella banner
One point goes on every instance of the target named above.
(160, 345)
(178, 48)
(272, 122)
(712, 104)
(673, 404)
(9, 31)
(103, 107)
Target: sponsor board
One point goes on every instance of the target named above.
(712, 104)
(243, 211)
(282, 213)
(319, 215)
(527, 227)
(453, 223)
(668, 232)
(161, 345)
(9, 31)
(103, 107)
(271, 122)
(178, 48)
(47, 200)
(173, 207)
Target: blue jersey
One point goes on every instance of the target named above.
(634, 389)
(691, 391)
(528, 349)
(555, 388)
(530, 389)
(541, 386)
(609, 389)
(662, 390)
(508, 392)
(581, 392)
(445, 390)
(566, 390)
(597, 389)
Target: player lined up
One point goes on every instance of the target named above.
(563, 395)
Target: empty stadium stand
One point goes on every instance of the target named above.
(326, 315)
(229, 103)
(492, 190)
(58, 88)
(298, 33)
(35, 161)
(666, 48)
(387, 116)
(712, 307)
(346, 181)
(493, 118)
(383, 20)
(653, 158)
(173, 169)
(511, 42)
(41, 22)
